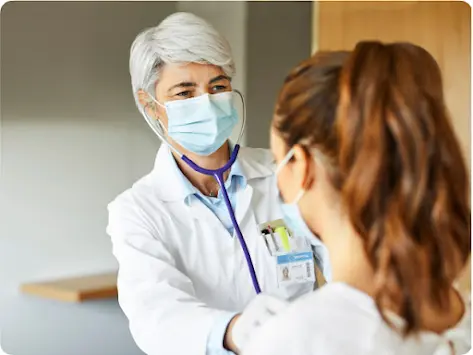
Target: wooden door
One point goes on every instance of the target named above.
(443, 28)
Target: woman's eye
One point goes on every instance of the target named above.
(184, 93)
(219, 88)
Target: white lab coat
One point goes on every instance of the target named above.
(339, 319)
(179, 269)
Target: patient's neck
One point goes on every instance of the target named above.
(349, 262)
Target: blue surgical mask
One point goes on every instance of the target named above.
(201, 124)
(291, 213)
(293, 218)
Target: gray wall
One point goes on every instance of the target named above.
(71, 141)
(278, 38)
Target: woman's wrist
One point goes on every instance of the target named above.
(228, 339)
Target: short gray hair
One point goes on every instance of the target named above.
(180, 38)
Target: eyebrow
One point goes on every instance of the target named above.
(184, 84)
(188, 84)
(218, 78)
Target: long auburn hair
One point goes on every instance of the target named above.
(378, 116)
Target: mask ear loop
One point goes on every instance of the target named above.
(281, 165)
(284, 162)
(299, 196)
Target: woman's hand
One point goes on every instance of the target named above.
(242, 326)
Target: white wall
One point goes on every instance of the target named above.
(57, 180)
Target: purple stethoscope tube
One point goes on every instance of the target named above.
(218, 175)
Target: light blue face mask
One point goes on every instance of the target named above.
(291, 213)
(293, 218)
(201, 124)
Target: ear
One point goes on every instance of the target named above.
(147, 103)
(305, 167)
(144, 99)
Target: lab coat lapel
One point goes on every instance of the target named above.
(243, 203)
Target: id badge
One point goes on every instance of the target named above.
(293, 256)
(295, 268)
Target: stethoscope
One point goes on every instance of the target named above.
(218, 175)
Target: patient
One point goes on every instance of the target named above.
(369, 161)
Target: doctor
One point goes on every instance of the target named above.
(183, 280)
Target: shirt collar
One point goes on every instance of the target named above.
(172, 185)
(188, 189)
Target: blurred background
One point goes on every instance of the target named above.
(71, 138)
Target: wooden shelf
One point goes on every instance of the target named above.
(75, 289)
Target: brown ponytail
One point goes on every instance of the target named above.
(396, 163)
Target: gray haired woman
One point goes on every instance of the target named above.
(183, 281)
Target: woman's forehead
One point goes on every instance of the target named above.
(192, 72)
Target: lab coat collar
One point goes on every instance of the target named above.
(169, 186)
(256, 163)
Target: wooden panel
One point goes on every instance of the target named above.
(76, 289)
(443, 28)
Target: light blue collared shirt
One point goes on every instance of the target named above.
(235, 181)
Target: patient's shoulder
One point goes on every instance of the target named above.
(314, 320)
(292, 331)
